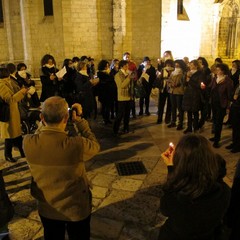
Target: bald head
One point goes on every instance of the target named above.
(54, 109)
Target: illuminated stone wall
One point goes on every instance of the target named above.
(106, 29)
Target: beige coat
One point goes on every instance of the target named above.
(176, 84)
(11, 129)
(123, 86)
(59, 177)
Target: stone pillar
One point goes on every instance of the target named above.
(8, 30)
(119, 26)
(26, 34)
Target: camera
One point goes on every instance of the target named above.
(70, 111)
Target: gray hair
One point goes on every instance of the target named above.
(54, 109)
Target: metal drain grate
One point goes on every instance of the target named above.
(130, 168)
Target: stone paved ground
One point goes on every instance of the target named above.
(124, 207)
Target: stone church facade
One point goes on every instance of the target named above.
(105, 29)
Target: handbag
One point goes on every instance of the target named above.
(139, 91)
(4, 111)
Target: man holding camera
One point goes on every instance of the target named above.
(59, 182)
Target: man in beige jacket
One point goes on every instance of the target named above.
(56, 161)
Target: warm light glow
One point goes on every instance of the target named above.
(183, 37)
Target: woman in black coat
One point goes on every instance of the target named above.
(107, 89)
(195, 197)
(192, 101)
(68, 87)
(49, 80)
(221, 96)
(83, 89)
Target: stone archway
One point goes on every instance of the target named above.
(228, 34)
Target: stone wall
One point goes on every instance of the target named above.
(106, 29)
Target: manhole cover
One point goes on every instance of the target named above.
(130, 168)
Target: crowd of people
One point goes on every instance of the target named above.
(194, 186)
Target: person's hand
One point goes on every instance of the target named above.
(203, 86)
(23, 90)
(77, 110)
(168, 156)
(52, 77)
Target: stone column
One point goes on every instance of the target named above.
(119, 26)
(26, 33)
(8, 29)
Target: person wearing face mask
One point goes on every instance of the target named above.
(23, 79)
(83, 89)
(68, 88)
(192, 96)
(49, 80)
(176, 89)
(125, 94)
(146, 69)
(11, 130)
(221, 95)
(107, 89)
(164, 98)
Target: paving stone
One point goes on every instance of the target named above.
(103, 180)
(99, 192)
(106, 228)
(127, 184)
(133, 232)
(23, 229)
(127, 206)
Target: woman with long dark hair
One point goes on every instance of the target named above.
(195, 197)
(49, 80)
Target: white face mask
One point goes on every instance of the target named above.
(49, 66)
(22, 74)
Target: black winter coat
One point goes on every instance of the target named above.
(50, 88)
(107, 88)
(194, 219)
(192, 98)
